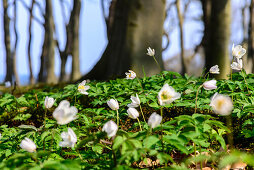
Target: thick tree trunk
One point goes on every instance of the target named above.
(137, 25)
(47, 72)
(251, 34)
(7, 42)
(219, 36)
(31, 78)
(74, 30)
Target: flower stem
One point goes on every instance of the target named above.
(156, 62)
(45, 116)
(195, 154)
(245, 81)
(162, 144)
(142, 113)
(117, 117)
(201, 163)
(139, 124)
(230, 134)
(196, 101)
(79, 155)
(140, 84)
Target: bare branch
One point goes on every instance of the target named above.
(40, 8)
(35, 18)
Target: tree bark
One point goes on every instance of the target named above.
(7, 42)
(47, 72)
(15, 45)
(31, 77)
(219, 35)
(137, 25)
(251, 34)
(181, 20)
(74, 31)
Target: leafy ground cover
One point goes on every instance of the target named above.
(190, 132)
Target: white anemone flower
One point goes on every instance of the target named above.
(167, 95)
(65, 113)
(133, 113)
(135, 101)
(214, 70)
(221, 104)
(113, 104)
(238, 51)
(150, 52)
(237, 65)
(210, 85)
(49, 102)
(69, 139)
(82, 88)
(131, 75)
(110, 128)
(28, 145)
(154, 120)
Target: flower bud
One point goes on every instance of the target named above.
(210, 85)
(150, 52)
(113, 104)
(69, 138)
(154, 120)
(133, 113)
(110, 128)
(49, 102)
(28, 145)
(215, 69)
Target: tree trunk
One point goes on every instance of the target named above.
(7, 42)
(74, 28)
(206, 7)
(137, 25)
(180, 20)
(219, 36)
(47, 72)
(251, 34)
(15, 45)
(31, 78)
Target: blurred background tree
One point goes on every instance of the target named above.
(131, 27)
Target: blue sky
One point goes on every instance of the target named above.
(93, 36)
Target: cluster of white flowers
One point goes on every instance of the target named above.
(64, 113)
(237, 52)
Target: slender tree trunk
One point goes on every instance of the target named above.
(31, 78)
(7, 42)
(251, 34)
(137, 24)
(47, 72)
(180, 19)
(206, 7)
(74, 28)
(15, 45)
(219, 36)
(63, 64)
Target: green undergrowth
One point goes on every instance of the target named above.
(22, 115)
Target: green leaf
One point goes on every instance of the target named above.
(150, 141)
